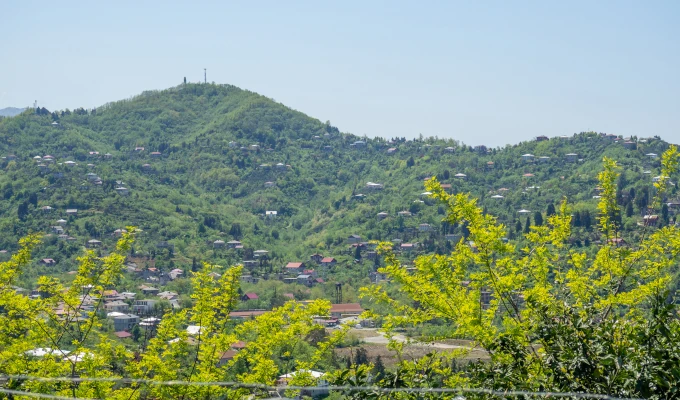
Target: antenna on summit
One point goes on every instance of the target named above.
(205, 75)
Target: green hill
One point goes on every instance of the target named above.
(199, 163)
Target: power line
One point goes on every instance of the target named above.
(38, 395)
(239, 385)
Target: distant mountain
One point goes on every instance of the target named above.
(11, 111)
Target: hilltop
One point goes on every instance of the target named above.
(11, 111)
(198, 166)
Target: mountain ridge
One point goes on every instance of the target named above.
(11, 111)
(203, 163)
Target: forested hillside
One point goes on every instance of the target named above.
(197, 166)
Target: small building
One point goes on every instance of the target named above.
(122, 334)
(119, 232)
(353, 238)
(328, 262)
(306, 280)
(382, 215)
(541, 138)
(528, 157)
(125, 322)
(346, 310)
(48, 261)
(175, 274)
(260, 253)
(295, 267)
(249, 296)
(451, 237)
(629, 145)
(404, 213)
(149, 290)
(650, 219)
(571, 157)
(316, 258)
(269, 184)
(374, 186)
(143, 306)
(117, 306)
(407, 246)
(218, 244)
(425, 227)
(543, 159)
(270, 214)
(123, 191)
(155, 154)
(71, 211)
(93, 243)
(226, 357)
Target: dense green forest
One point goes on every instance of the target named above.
(200, 163)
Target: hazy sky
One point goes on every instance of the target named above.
(491, 72)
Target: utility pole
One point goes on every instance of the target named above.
(205, 75)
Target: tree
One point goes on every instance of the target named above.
(378, 368)
(136, 333)
(550, 211)
(629, 209)
(30, 323)
(586, 221)
(518, 226)
(607, 305)
(22, 211)
(410, 162)
(235, 230)
(33, 199)
(527, 225)
(538, 218)
(664, 214)
(361, 356)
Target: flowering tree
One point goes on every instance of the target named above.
(555, 318)
(59, 320)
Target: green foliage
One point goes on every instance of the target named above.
(557, 319)
(62, 320)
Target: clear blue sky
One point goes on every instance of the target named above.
(491, 72)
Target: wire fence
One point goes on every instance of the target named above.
(461, 391)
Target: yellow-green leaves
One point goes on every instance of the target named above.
(607, 204)
(669, 164)
(486, 288)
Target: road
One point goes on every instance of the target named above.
(381, 339)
